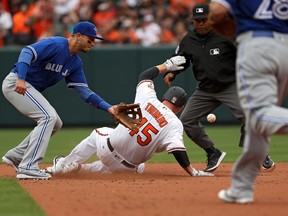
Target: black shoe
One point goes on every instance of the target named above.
(268, 163)
(214, 160)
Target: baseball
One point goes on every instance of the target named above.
(211, 118)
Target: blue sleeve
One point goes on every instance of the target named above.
(23, 63)
(25, 56)
(22, 69)
(93, 99)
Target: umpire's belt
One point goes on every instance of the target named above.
(117, 157)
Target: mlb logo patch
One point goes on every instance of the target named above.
(199, 10)
(174, 99)
(215, 51)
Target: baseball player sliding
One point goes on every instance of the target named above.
(121, 149)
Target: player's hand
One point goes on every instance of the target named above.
(129, 115)
(169, 78)
(201, 173)
(174, 63)
(112, 109)
(20, 86)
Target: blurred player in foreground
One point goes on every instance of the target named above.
(262, 82)
(121, 149)
(42, 65)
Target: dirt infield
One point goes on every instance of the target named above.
(164, 189)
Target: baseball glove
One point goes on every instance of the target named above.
(129, 115)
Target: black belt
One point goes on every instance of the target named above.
(123, 162)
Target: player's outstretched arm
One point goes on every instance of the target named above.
(183, 160)
(173, 64)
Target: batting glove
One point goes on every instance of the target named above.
(173, 64)
(201, 173)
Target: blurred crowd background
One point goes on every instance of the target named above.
(120, 22)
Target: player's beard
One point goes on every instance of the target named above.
(85, 50)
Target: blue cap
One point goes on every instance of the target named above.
(86, 28)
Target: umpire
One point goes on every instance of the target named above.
(213, 63)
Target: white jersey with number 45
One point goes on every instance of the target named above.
(160, 130)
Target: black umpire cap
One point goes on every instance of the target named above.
(201, 11)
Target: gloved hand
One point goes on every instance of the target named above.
(173, 64)
(129, 115)
(201, 173)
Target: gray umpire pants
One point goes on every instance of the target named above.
(32, 149)
(200, 104)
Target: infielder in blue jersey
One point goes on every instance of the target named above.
(40, 66)
(262, 82)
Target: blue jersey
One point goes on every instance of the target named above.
(268, 15)
(52, 62)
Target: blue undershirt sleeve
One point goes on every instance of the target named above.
(98, 102)
(26, 56)
(23, 63)
(22, 69)
(93, 99)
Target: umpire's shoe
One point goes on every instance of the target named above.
(268, 164)
(214, 159)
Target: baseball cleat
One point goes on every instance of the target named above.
(71, 167)
(140, 168)
(214, 160)
(23, 174)
(48, 170)
(10, 162)
(52, 169)
(226, 197)
(268, 164)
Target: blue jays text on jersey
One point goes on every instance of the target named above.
(56, 68)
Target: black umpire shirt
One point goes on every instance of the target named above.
(213, 59)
